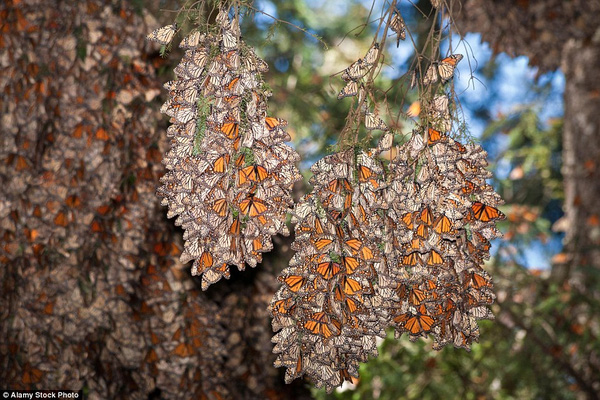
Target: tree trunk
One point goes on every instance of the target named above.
(92, 296)
(581, 160)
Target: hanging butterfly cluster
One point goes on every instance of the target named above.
(399, 245)
(378, 244)
(441, 217)
(329, 309)
(230, 172)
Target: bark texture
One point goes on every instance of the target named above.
(537, 29)
(581, 157)
(92, 295)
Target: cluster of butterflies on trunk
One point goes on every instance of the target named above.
(397, 243)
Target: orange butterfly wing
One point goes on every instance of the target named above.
(294, 282)
(485, 213)
(220, 207)
(328, 269)
(230, 129)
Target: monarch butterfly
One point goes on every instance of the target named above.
(336, 185)
(351, 89)
(434, 136)
(294, 282)
(180, 112)
(253, 206)
(321, 324)
(408, 220)
(188, 70)
(372, 122)
(367, 253)
(336, 216)
(353, 244)
(328, 269)
(435, 258)
(350, 264)
(198, 56)
(220, 207)
(232, 59)
(441, 113)
(398, 26)
(223, 18)
(206, 260)
(163, 35)
(351, 286)
(318, 226)
(192, 40)
(442, 225)
(485, 213)
(416, 244)
(422, 231)
(187, 96)
(416, 296)
(272, 123)
(253, 63)
(468, 187)
(322, 243)
(234, 229)
(355, 71)
(345, 375)
(481, 242)
(230, 129)
(425, 216)
(230, 40)
(256, 245)
(416, 323)
(349, 302)
(339, 231)
(480, 312)
(284, 306)
(477, 281)
(411, 259)
(233, 85)
(385, 142)
(460, 147)
(442, 70)
(253, 173)
(371, 55)
(31, 375)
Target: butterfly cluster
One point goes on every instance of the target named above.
(440, 221)
(230, 172)
(387, 244)
(329, 309)
(376, 246)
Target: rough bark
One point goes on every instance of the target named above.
(581, 158)
(537, 29)
(92, 296)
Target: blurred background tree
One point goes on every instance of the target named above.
(93, 296)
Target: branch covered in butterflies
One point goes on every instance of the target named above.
(399, 245)
(378, 244)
